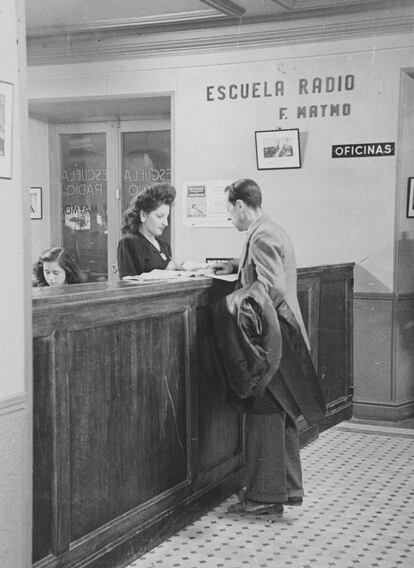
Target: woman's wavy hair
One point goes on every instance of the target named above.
(148, 200)
(65, 261)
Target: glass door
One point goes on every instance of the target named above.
(84, 210)
(98, 169)
(145, 159)
(84, 194)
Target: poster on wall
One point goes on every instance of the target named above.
(6, 112)
(277, 149)
(204, 204)
(35, 202)
(410, 197)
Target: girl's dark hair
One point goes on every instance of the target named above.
(65, 261)
(246, 190)
(147, 201)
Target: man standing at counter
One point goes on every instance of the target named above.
(273, 467)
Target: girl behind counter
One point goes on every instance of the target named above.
(140, 249)
(55, 267)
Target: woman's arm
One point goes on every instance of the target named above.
(129, 259)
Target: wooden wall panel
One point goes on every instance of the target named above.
(42, 447)
(335, 342)
(332, 355)
(308, 297)
(325, 298)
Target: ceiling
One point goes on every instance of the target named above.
(57, 17)
(61, 32)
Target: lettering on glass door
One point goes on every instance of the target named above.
(84, 202)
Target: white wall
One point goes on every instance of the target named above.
(405, 244)
(336, 210)
(39, 177)
(15, 310)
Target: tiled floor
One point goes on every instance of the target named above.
(358, 512)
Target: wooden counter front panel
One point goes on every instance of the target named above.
(131, 438)
(112, 426)
(128, 425)
(219, 426)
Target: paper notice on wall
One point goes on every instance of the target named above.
(204, 204)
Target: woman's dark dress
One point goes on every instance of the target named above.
(137, 255)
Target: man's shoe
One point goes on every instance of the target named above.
(294, 501)
(255, 508)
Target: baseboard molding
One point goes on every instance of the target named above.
(308, 434)
(381, 411)
(375, 429)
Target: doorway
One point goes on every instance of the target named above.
(96, 168)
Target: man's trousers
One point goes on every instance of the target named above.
(273, 468)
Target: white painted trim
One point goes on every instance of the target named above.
(11, 404)
(128, 44)
(125, 23)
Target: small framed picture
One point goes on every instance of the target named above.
(410, 197)
(6, 113)
(277, 149)
(35, 203)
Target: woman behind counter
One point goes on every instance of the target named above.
(140, 249)
(56, 267)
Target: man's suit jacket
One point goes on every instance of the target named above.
(268, 256)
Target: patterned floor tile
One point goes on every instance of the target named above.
(358, 513)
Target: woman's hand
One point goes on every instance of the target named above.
(193, 266)
(173, 266)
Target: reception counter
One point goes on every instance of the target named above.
(131, 441)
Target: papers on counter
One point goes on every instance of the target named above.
(157, 274)
(178, 274)
(226, 277)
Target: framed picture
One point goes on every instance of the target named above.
(410, 197)
(277, 149)
(6, 113)
(35, 203)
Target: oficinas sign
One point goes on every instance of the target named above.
(366, 150)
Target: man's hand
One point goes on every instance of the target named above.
(221, 267)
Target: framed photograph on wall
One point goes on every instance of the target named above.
(6, 114)
(410, 197)
(35, 203)
(277, 149)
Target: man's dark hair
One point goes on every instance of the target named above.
(246, 190)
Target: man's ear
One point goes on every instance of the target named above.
(239, 203)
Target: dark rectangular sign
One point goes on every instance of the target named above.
(367, 150)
